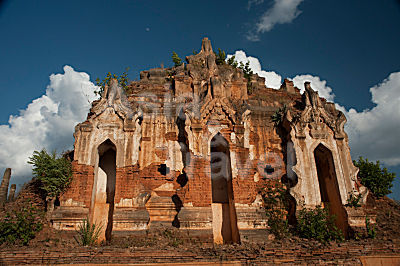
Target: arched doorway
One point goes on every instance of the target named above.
(224, 214)
(103, 206)
(329, 188)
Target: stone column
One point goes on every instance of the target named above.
(4, 186)
(11, 195)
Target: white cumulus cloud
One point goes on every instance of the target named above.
(47, 122)
(374, 133)
(272, 80)
(281, 12)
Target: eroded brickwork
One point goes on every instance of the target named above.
(183, 134)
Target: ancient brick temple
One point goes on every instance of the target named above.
(192, 146)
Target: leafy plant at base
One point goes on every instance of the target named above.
(371, 232)
(275, 204)
(122, 80)
(277, 117)
(378, 180)
(353, 200)
(173, 240)
(318, 224)
(176, 59)
(21, 225)
(88, 233)
(53, 173)
(220, 57)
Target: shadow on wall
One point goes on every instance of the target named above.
(182, 179)
(178, 206)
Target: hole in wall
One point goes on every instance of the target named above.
(269, 169)
(163, 169)
(182, 179)
(57, 202)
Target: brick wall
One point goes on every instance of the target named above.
(80, 189)
(198, 188)
(270, 253)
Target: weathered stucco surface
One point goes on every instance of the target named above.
(178, 130)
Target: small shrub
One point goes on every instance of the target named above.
(88, 233)
(232, 61)
(275, 200)
(53, 173)
(21, 226)
(353, 200)
(277, 117)
(176, 59)
(371, 232)
(378, 180)
(122, 80)
(317, 224)
(220, 57)
(247, 71)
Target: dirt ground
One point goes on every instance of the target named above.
(171, 241)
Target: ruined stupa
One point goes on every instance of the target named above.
(191, 147)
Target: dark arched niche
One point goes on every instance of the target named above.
(221, 173)
(222, 191)
(329, 188)
(105, 187)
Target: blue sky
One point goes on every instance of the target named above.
(352, 45)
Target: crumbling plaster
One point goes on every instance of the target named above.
(170, 117)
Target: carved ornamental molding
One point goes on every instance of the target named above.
(319, 117)
(218, 109)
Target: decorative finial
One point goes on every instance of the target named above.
(307, 85)
(206, 45)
